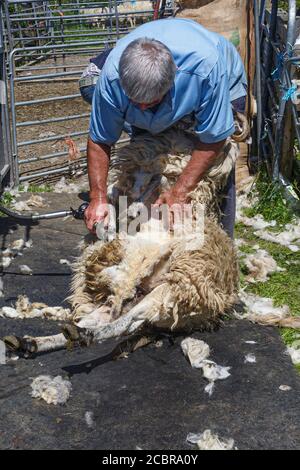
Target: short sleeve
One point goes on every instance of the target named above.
(214, 118)
(107, 118)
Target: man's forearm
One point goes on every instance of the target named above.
(202, 159)
(98, 156)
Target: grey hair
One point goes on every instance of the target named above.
(147, 70)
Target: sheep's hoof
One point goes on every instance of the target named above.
(29, 346)
(76, 335)
(71, 332)
(25, 345)
(13, 343)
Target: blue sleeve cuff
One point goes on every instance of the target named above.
(212, 139)
(96, 140)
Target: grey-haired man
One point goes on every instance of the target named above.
(164, 73)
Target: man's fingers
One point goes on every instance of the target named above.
(96, 213)
(91, 221)
(160, 201)
(91, 225)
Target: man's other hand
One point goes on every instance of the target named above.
(172, 197)
(176, 201)
(98, 211)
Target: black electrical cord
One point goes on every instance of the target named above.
(15, 215)
(76, 213)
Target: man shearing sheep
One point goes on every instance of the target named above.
(167, 73)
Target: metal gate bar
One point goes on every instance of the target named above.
(53, 45)
(277, 64)
(6, 164)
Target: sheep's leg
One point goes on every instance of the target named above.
(126, 324)
(30, 345)
(81, 336)
(146, 311)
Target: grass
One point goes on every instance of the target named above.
(291, 336)
(271, 202)
(284, 4)
(282, 287)
(32, 188)
(7, 199)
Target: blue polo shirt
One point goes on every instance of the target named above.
(210, 75)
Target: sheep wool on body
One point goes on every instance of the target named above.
(168, 282)
(152, 279)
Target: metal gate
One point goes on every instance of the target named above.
(5, 149)
(278, 89)
(49, 44)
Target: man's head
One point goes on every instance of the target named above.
(147, 71)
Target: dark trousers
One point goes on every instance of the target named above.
(228, 206)
(87, 93)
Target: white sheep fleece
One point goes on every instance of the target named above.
(53, 390)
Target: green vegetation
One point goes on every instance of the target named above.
(282, 287)
(32, 188)
(284, 4)
(271, 202)
(7, 199)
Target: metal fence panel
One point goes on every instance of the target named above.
(278, 64)
(5, 151)
(49, 44)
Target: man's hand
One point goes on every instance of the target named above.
(97, 212)
(175, 199)
(172, 197)
(203, 157)
(98, 162)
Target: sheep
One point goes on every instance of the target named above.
(128, 12)
(133, 8)
(132, 283)
(94, 21)
(184, 4)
